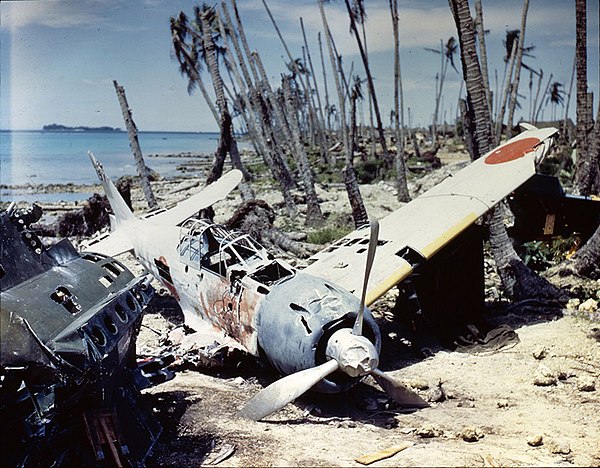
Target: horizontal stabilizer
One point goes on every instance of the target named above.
(111, 244)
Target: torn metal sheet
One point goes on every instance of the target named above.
(68, 325)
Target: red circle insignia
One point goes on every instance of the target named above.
(515, 150)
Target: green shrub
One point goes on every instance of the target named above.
(330, 233)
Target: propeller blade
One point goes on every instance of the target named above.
(398, 392)
(357, 329)
(285, 390)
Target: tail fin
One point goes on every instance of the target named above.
(120, 209)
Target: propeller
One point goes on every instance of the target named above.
(285, 390)
(348, 350)
(357, 330)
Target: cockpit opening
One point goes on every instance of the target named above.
(211, 246)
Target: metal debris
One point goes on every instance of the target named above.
(68, 324)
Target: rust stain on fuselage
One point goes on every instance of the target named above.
(230, 308)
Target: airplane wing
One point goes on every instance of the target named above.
(419, 229)
(208, 196)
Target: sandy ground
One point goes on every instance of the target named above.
(490, 395)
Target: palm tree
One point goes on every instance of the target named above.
(190, 43)
(555, 97)
(187, 56)
(359, 212)
(365, 60)
(446, 52)
(518, 280)
(400, 161)
(135, 146)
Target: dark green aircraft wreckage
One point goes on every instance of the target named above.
(69, 379)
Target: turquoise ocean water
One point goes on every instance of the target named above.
(35, 157)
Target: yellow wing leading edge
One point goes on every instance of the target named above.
(419, 229)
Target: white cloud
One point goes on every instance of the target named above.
(57, 13)
(419, 27)
(102, 82)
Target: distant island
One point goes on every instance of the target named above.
(64, 128)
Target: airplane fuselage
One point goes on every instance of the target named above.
(263, 303)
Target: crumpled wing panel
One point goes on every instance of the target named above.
(419, 229)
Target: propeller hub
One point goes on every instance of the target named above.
(355, 354)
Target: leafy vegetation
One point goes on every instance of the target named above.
(337, 228)
(540, 254)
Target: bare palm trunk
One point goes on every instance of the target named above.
(541, 103)
(370, 101)
(518, 280)
(587, 176)
(483, 51)
(400, 161)
(514, 90)
(327, 106)
(134, 143)
(314, 217)
(359, 212)
(321, 130)
(365, 60)
(507, 85)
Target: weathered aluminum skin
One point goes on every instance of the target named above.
(298, 317)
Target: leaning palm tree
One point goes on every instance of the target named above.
(195, 41)
(135, 146)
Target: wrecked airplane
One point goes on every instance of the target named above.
(310, 324)
(69, 379)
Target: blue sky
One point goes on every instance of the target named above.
(59, 57)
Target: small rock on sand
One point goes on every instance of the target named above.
(536, 440)
(586, 384)
(471, 434)
(558, 447)
(544, 377)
